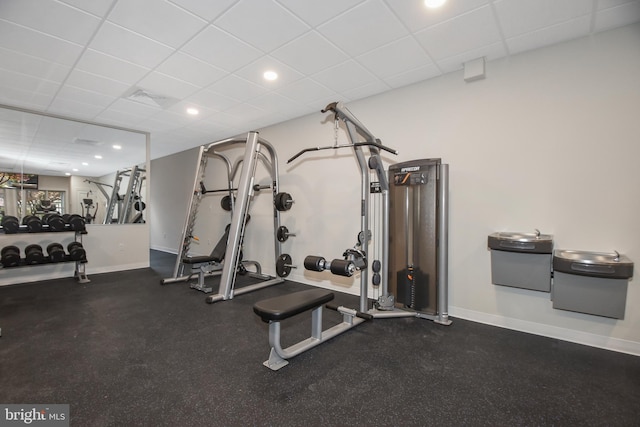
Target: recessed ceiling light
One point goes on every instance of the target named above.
(67, 173)
(85, 164)
(193, 111)
(98, 156)
(432, 4)
(270, 75)
(75, 170)
(117, 147)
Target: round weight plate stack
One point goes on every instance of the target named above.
(10, 256)
(225, 203)
(283, 265)
(283, 201)
(55, 251)
(33, 254)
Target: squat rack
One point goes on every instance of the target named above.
(256, 149)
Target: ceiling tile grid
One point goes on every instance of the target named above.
(82, 58)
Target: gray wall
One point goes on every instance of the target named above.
(548, 140)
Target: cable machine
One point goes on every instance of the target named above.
(226, 260)
(418, 276)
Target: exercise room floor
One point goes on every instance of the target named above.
(124, 350)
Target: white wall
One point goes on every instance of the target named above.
(548, 140)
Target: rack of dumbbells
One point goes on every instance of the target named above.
(34, 254)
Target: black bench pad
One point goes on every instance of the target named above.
(200, 259)
(285, 306)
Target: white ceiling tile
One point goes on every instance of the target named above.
(84, 96)
(369, 89)
(618, 16)
(221, 50)
(70, 108)
(242, 114)
(464, 33)
(206, 9)
(96, 7)
(24, 98)
(212, 100)
(103, 85)
(40, 45)
(254, 73)
(413, 76)
(317, 12)
(456, 62)
(157, 16)
(98, 63)
(129, 46)
(365, 27)
(310, 53)
(28, 83)
(32, 66)
(52, 18)
(118, 118)
(274, 102)
(521, 16)
(345, 76)
(189, 69)
(416, 16)
(133, 108)
(396, 57)
(565, 31)
(263, 24)
(162, 84)
(237, 88)
(306, 91)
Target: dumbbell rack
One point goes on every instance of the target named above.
(79, 272)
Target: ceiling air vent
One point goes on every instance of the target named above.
(146, 97)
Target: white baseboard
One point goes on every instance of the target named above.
(163, 249)
(571, 335)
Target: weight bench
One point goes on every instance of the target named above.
(206, 264)
(275, 310)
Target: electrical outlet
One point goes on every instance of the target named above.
(121, 247)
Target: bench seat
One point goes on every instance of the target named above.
(285, 306)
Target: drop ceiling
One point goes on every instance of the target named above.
(83, 58)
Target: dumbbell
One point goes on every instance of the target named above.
(76, 222)
(55, 252)
(54, 221)
(33, 254)
(33, 223)
(10, 256)
(76, 251)
(10, 224)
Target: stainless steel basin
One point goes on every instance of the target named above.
(521, 242)
(596, 264)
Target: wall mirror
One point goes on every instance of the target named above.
(55, 164)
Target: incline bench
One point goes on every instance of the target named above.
(206, 264)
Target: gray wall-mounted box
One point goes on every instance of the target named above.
(591, 282)
(521, 260)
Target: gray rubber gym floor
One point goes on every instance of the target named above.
(124, 350)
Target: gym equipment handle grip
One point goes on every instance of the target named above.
(365, 316)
